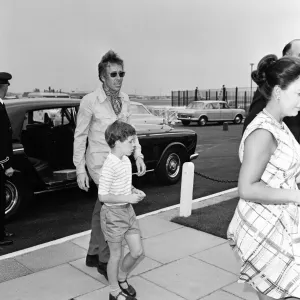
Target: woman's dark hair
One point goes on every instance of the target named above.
(118, 131)
(108, 58)
(272, 71)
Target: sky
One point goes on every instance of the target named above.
(166, 45)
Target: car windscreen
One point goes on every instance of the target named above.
(138, 110)
(195, 105)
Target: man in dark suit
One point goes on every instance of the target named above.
(259, 102)
(6, 169)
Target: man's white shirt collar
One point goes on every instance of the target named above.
(1, 101)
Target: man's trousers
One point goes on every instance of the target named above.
(98, 244)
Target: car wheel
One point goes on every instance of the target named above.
(238, 119)
(185, 123)
(202, 121)
(170, 166)
(15, 197)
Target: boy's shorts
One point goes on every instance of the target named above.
(118, 221)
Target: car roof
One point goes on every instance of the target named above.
(31, 103)
(47, 94)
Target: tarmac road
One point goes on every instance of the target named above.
(56, 215)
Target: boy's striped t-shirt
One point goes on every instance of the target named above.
(115, 177)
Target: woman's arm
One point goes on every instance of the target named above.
(259, 146)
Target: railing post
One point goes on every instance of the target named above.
(208, 94)
(186, 98)
(186, 192)
(236, 97)
(178, 101)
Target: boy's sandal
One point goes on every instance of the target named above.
(127, 297)
(130, 291)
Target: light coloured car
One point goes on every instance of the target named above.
(140, 114)
(206, 111)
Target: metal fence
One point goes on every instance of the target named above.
(239, 97)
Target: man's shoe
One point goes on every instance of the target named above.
(6, 243)
(102, 269)
(8, 234)
(92, 260)
(130, 291)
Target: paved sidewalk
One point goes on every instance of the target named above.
(180, 263)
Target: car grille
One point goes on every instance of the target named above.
(183, 116)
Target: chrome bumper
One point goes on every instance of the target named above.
(194, 156)
(188, 119)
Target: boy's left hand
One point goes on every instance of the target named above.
(139, 192)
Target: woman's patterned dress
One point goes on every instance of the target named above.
(267, 237)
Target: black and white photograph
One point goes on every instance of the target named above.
(149, 150)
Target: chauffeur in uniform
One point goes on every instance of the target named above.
(5, 156)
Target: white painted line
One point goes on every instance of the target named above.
(48, 244)
(194, 201)
(77, 235)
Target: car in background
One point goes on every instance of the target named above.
(140, 114)
(206, 111)
(43, 149)
(12, 97)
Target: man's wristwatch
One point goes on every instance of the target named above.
(140, 156)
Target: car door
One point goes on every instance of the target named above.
(226, 112)
(63, 138)
(216, 112)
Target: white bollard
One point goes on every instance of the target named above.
(186, 192)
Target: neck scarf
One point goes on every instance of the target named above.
(114, 99)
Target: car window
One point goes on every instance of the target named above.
(224, 105)
(196, 105)
(71, 114)
(208, 106)
(216, 105)
(53, 117)
(138, 109)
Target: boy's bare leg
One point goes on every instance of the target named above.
(136, 251)
(113, 267)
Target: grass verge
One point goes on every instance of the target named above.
(213, 219)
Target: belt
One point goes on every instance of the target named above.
(118, 206)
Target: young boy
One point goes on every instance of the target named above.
(118, 219)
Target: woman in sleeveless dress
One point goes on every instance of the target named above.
(265, 228)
